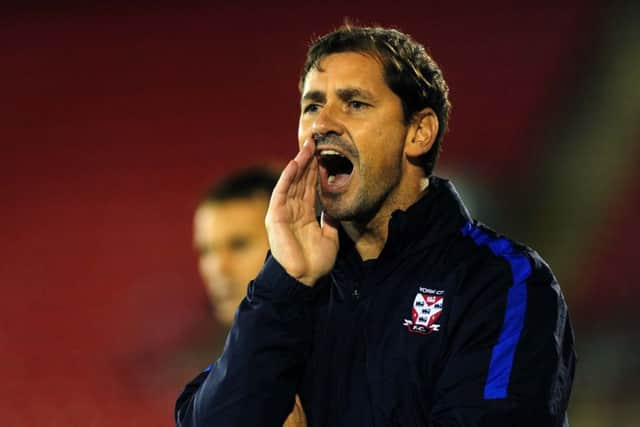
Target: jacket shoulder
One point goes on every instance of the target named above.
(486, 249)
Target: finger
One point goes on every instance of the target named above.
(303, 160)
(285, 181)
(310, 186)
(310, 183)
(303, 157)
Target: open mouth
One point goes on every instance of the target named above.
(335, 170)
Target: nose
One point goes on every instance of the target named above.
(326, 122)
(222, 263)
(215, 266)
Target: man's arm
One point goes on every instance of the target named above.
(510, 359)
(254, 381)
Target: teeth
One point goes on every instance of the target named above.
(329, 153)
(331, 179)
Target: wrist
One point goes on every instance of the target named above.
(275, 283)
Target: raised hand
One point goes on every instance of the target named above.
(307, 250)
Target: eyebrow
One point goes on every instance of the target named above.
(345, 94)
(314, 96)
(349, 93)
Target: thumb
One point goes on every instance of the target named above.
(329, 226)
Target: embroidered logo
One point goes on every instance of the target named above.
(426, 310)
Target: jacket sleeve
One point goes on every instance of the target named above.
(255, 379)
(509, 358)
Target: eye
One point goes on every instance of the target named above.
(204, 251)
(357, 105)
(311, 108)
(238, 244)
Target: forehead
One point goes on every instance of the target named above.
(217, 220)
(353, 69)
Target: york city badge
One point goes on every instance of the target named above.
(426, 310)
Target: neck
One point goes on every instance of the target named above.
(371, 236)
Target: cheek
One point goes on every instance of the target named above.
(204, 266)
(252, 262)
(384, 146)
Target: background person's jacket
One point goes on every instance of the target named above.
(452, 325)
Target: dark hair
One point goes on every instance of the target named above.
(245, 183)
(409, 72)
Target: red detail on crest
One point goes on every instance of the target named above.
(425, 313)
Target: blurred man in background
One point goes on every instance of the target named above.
(230, 238)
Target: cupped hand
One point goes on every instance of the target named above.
(305, 249)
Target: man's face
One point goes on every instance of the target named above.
(347, 101)
(231, 242)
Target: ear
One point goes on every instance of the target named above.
(422, 133)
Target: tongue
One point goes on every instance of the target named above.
(338, 180)
(333, 184)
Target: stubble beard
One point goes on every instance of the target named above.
(363, 207)
(343, 210)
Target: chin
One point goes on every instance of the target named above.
(225, 321)
(334, 207)
(223, 315)
(342, 210)
(340, 215)
(334, 212)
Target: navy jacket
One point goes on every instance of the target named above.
(452, 325)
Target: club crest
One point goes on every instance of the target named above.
(426, 310)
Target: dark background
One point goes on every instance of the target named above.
(113, 120)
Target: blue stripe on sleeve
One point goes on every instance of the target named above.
(504, 351)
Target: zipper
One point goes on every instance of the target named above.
(355, 294)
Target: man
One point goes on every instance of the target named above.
(397, 308)
(230, 237)
(231, 241)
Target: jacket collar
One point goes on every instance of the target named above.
(438, 215)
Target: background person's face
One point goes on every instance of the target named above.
(231, 242)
